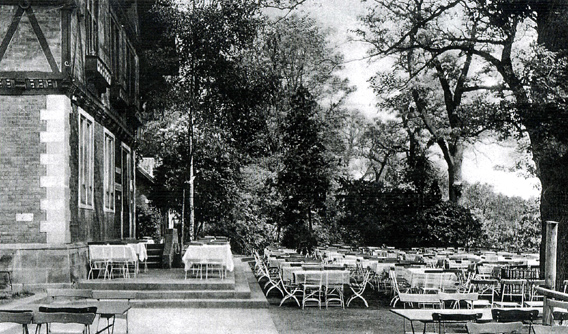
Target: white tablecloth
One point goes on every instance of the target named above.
(140, 250)
(112, 253)
(209, 252)
(418, 277)
(328, 276)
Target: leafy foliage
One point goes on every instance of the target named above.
(378, 215)
(447, 225)
(148, 221)
(509, 223)
(305, 178)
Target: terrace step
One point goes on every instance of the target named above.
(154, 252)
(188, 294)
(167, 288)
(245, 303)
(157, 286)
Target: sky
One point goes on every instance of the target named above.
(482, 162)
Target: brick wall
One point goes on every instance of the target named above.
(20, 169)
(24, 50)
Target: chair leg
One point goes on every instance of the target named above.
(288, 297)
(355, 296)
(272, 287)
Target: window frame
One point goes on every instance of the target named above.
(130, 70)
(91, 26)
(86, 160)
(109, 200)
(116, 38)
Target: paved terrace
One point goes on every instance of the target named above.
(166, 303)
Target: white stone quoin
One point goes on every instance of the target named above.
(56, 162)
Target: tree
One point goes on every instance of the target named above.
(441, 92)
(539, 111)
(225, 111)
(509, 223)
(212, 89)
(447, 225)
(305, 179)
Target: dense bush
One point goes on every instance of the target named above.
(375, 215)
(147, 222)
(447, 225)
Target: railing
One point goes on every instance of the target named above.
(552, 299)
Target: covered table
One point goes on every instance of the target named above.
(208, 252)
(431, 278)
(112, 257)
(140, 250)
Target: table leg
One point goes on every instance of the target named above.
(110, 326)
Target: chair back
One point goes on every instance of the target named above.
(495, 328)
(457, 296)
(456, 317)
(22, 317)
(533, 293)
(64, 318)
(419, 298)
(66, 315)
(512, 315)
(449, 281)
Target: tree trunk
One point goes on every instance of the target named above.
(550, 155)
(310, 223)
(191, 200)
(553, 174)
(455, 162)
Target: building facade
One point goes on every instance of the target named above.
(68, 119)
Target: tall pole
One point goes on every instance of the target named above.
(182, 217)
(550, 265)
(191, 179)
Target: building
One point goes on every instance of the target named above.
(69, 107)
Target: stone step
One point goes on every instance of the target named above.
(160, 280)
(154, 252)
(246, 303)
(155, 286)
(167, 288)
(154, 263)
(185, 294)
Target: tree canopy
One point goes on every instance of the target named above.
(254, 139)
(491, 32)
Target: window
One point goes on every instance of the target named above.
(131, 72)
(92, 22)
(109, 172)
(115, 40)
(86, 161)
